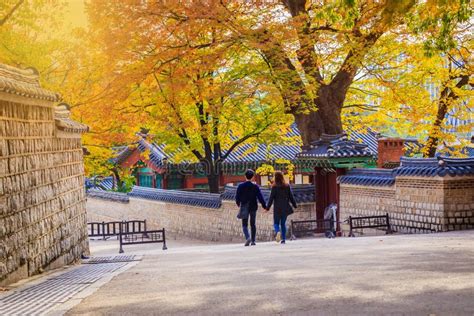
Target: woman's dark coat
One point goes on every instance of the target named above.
(282, 197)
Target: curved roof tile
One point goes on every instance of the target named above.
(24, 83)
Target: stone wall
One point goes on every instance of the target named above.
(179, 220)
(415, 204)
(42, 198)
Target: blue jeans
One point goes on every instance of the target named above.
(280, 221)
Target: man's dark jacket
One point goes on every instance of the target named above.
(249, 192)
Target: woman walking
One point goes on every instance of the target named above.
(282, 196)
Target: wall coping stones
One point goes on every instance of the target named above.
(65, 123)
(24, 83)
(369, 177)
(411, 167)
(108, 195)
(302, 193)
(210, 200)
(432, 167)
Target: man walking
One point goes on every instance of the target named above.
(247, 195)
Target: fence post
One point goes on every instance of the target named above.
(103, 230)
(120, 238)
(351, 234)
(292, 236)
(389, 228)
(145, 231)
(164, 240)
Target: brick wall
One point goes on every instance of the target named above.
(459, 203)
(189, 221)
(415, 204)
(42, 198)
(389, 150)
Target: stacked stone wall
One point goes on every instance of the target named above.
(414, 204)
(42, 196)
(459, 203)
(188, 221)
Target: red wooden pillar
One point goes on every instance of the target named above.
(222, 179)
(321, 188)
(327, 191)
(164, 181)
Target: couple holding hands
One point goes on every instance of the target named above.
(247, 197)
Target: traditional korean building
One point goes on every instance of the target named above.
(156, 167)
(330, 157)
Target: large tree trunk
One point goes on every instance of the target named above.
(447, 97)
(326, 119)
(213, 181)
(117, 178)
(433, 139)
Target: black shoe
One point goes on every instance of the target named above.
(253, 243)
(247, 243)
(282, 242)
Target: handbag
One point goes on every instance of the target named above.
(243, 211)
(290, 210)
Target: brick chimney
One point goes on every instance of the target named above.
(389, 152)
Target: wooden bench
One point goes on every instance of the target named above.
(311, 227)
(377, 222)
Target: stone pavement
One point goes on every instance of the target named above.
(390, 275)
(58, 291)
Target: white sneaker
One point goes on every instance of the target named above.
(278, 237)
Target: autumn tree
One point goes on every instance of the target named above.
(194, 85)
(39, 34)
(315, 50)
(418, 77)
(449, 36)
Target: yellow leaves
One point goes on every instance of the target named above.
(283, 164)
(265, 170)
(146, 154)
(96, 162)
(288, 166)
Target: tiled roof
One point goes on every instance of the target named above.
(412, 147)
(263, 152)
(246, 153)
(365, 136)
(122, 153)
(469, 151)
(335, 146)
(302, 193)
(431, 167)
(24, 83)
(211, 200)
(453, 122)
(100, 183)
(424, 167)
(371, 177)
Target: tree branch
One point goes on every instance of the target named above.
(9, 14)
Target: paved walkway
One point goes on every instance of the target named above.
(396, 275)
(57, 292)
